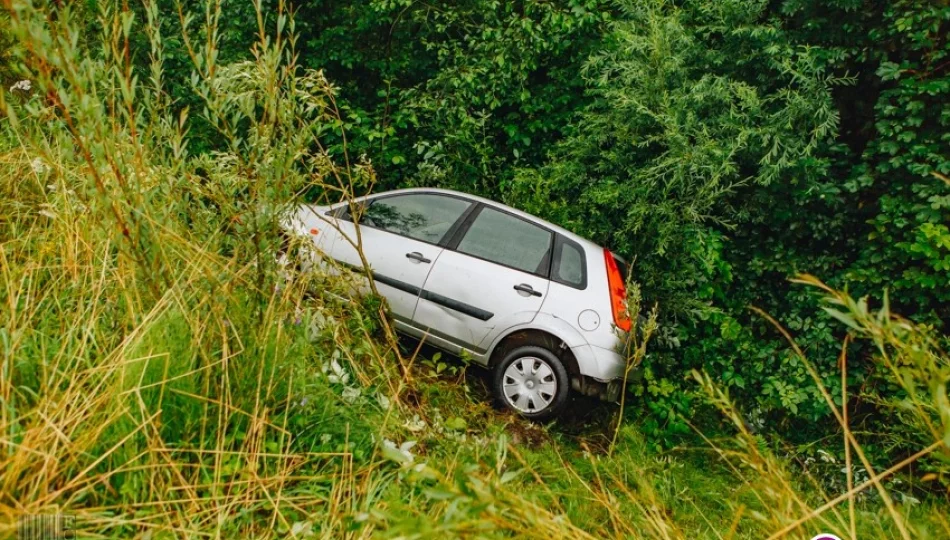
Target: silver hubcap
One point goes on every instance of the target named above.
(529, 384)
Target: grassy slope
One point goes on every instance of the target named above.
(220, 408)
(634, 491)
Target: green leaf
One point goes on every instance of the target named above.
(456, 423)
(847, 319)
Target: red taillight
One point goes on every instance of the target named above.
(618, 293)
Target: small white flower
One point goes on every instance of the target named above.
(335, 373)
(416, 424)
(351, 394)
(39, 166)
(47, 211)
(909, 499)
(23, 86)
(317, 323)
(302, 528)
(402, 452)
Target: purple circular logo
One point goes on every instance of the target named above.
(825, 536)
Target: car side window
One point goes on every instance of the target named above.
(508, 240)
(569, 266)
(422, 216)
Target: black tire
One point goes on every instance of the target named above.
(531, 354)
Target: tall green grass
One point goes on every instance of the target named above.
(163, 376)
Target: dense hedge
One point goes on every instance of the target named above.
(725, 146)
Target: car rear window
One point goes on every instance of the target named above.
(508, 240)
(569, 266)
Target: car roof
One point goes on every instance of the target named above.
(488, 202)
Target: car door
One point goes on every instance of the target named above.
(400, 237)
(493, 274)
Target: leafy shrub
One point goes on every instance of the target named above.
(690, 104)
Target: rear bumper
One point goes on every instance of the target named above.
(598, 363)
(601, 372)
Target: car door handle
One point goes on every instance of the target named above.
(416, 256)
(524, 287)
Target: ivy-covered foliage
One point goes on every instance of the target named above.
(452, 93)
(873, 221)
(723, 146)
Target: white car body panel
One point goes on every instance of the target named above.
(560, 310)
(388, 258)
(481, 284)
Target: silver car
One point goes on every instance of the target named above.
(540, 306)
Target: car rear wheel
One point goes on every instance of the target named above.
(532, 381)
